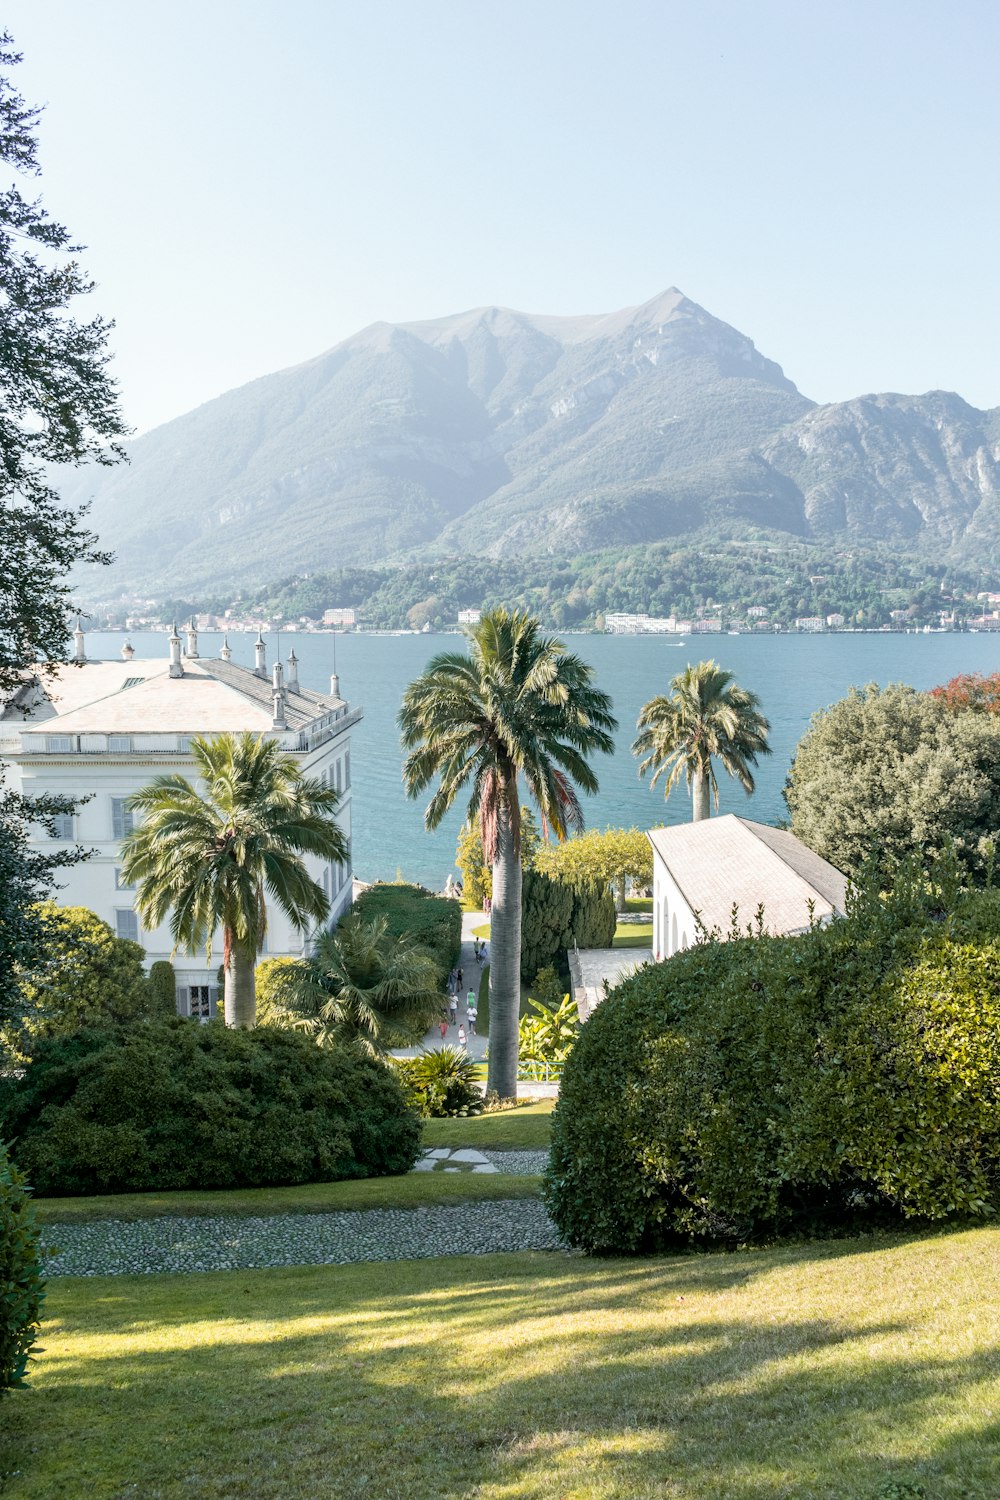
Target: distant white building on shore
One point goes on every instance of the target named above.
(101, 730)
(469, 616)
(341, 617)
(619, 624)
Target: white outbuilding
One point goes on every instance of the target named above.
(100, 730)
(703, 870)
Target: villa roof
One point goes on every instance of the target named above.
(140, 697)
(719, 862)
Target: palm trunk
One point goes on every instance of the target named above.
(505, 964)
(241, 988)
(702, 791)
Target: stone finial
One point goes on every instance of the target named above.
(225, 650)
(192, 640)
(128, 651)
(334, 685)
(176, 668)
(79, 642)
(260, 654)
(293, 671)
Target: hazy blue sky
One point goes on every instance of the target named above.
(257, 180)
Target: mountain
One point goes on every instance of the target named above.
(498, 432)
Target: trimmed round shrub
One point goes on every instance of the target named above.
(179, 1105)
(770, 1085)
(162, 989)
(22, 1289)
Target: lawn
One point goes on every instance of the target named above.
(855, 1370)
(633, 935)
(525, 1128)
(639, 903)
(417, 1191)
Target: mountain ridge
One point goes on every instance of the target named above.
(511, 432)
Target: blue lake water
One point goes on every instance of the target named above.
(793, 675)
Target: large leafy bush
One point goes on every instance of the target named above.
(441, 1082)
(179, 1105)
(433, 922)
(22, 1289)
(555, 914)
(763, 1085)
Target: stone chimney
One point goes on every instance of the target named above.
(225, 650)
(260, 651)
(192, 645)
(293, 671)
(128, 651)
(278, 696)
(79, 643)
(176, 669)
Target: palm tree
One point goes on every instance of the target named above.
(366, 989)
(708, 717)
(209, 857)
(517, 704)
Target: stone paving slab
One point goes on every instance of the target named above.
(517, 1163)
(227, 1243)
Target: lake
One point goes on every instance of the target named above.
(794, 675)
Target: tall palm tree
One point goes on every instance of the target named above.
(367, 989)
(210, 857)
(517, 705)
(707, 717)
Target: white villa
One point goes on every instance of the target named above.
(700, 870)
(102, 729)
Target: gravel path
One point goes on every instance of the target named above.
(227, 1243)
(519, 1163)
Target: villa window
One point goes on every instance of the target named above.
(127, 924)
(337, 775)
(121, 884)
(122, 821)
(62, 827)
(120, 744)
(200, 1001)
(55, 743)
(347, 769)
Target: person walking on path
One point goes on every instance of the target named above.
(482, 955)
(443, 1028)
(461, 1037)
(453, 1008)
(471, 1014)
(459, 980)
(470, 1000)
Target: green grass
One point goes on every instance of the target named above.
(483, 1005)
(639, 903)
(848, 1371)
(633, 935)
(484, 930)
(525, 1128)
(412, 1191)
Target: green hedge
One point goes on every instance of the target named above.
(180, 1105)
(435, 922)
(555, 914)
(766, 1085)
(22, 1288)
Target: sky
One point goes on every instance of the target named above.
(255, 180)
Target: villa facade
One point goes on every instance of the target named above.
(100, 730)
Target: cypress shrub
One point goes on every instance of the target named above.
(178, 1105)
(22, 1289)
(162, 989)
(556, 914)
(765, 1085)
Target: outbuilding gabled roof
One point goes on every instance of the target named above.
(721, 862)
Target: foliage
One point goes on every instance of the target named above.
(433, 922)
(517, 705)
(441, 1083)
(707, 717)
(555, 916)
(178, 1105)
(279, 982)
(162, 989)
(547, 1036)
(22, 1288)
(894, 771)
(477, 875)
(971, 690)
(362, 988)
(614, 857)
(26, 877)
(764, 1085)
(83, 975)
(208, 859)
(59, 404)
(547, 986)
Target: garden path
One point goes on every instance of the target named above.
(471, 971)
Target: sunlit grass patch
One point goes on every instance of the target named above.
(832, 1371)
